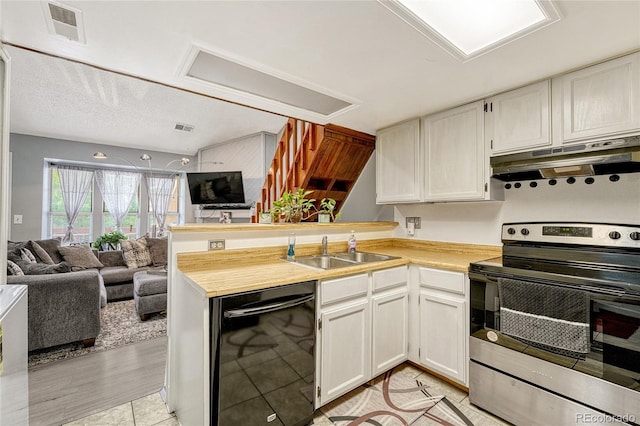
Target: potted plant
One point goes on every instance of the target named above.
(326, 214)
(109, 240)
(293, 206)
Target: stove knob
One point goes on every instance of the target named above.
(635, 236)
(511, 231)
(524, 231)
(614, 235)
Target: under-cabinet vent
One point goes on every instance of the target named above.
(64, 21)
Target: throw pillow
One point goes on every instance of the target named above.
(13, 269)
(136, 253)
(158, 248)
(41, 253)
(27, 256)
(51, 247)
(43, 268)
(80, 257)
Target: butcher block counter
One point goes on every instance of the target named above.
(220, 273)
(252, 259)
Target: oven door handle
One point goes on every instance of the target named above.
(236, 313)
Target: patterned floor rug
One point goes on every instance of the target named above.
(394, 398)
(120, 325)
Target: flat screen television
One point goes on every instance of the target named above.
(216, 188)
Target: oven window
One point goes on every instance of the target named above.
(612, 350)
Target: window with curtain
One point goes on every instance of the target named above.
(90, 222)
(172, 214)
(57, 216)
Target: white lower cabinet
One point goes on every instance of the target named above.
(362, 330)
(389, 318)
(441, 310)
(346, 354)
(442, 336)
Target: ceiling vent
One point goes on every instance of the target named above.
(184, 127)
(214, 69)
(64, 21)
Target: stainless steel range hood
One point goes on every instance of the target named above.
(594, 158)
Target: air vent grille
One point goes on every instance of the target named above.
(64, 21)
(63, 15)
(184, 127)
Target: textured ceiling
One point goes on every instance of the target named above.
(58, 98)
(354, 50)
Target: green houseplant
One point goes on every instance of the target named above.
(326, 212)
(292, 206)
(109, 240)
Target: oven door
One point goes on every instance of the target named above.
(580, 341)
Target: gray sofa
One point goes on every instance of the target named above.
(64, 307)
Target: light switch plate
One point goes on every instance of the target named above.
(17, 219)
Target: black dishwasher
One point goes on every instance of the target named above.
(263, 356)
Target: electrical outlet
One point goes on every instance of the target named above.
(216, 244)
(17, 219)
(415, 220)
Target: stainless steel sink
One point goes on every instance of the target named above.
(364, 257)
(340, 260)
(323, 262)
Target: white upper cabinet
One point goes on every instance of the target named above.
(454, 154)
(598, 101)
(520, 119)
(398, 171)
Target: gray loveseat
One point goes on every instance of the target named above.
(64, 307)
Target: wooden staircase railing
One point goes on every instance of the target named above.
(294, 153)
(324, 159)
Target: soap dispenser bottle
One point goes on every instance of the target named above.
(291, 250)
(352, 242)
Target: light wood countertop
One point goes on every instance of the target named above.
(235, 271)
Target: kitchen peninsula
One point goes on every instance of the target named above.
(252, 260)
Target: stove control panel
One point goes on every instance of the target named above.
(597, 234)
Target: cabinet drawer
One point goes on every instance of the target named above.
(453, 282)
(389, 278)
(343, 288)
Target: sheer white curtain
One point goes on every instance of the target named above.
(160, 189)
(74, 185)
(118, 189)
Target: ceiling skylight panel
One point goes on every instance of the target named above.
(469, 28)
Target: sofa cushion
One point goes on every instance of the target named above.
(79, 257)
(41, 254)
(42, 268)
(118, 274)
(145, 284)
(13, 268)
(136, 253)
(27, 256)
(158, 248)
(51, 247)
(111, 258)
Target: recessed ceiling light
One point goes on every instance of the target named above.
(469, 28)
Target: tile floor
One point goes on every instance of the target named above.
(147, 411)
(151, 411)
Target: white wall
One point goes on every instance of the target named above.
(480, 222)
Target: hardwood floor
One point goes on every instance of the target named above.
(66, 390)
